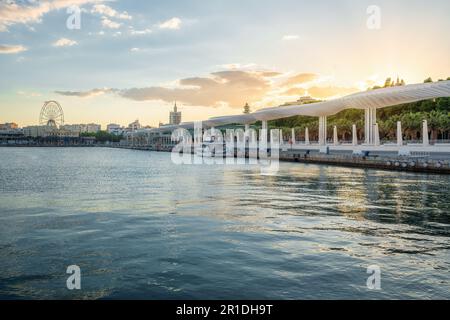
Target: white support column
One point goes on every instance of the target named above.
(213, 132)
(264, 125)
(320, 130)
(399, 134)
(293, 136)
(263, 134)
(247, 133)
(323, 130)
(376, 133)
(307, 136)
(426, 139)
(354, 135)
(369, 125)
(335, 136)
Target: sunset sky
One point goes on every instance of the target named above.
(132, 59)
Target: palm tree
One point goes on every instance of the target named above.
(388, 129)
(345, 127)
(412, 123)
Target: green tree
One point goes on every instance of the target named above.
(438, 123)
(388, 82)
(428, 80)
(412, 124)
(102, 136)
(388, 128)
(246, 109)
(443, 104)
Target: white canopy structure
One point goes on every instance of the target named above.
(367, 100)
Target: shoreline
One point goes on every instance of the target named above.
(405, 164)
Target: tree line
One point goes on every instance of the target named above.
(102, 136)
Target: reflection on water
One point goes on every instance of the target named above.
(141, 227)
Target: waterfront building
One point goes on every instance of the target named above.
(93, 128)
(8, 126)
(175, 116)
(303, 100)
(49, 131)
(10, 135)
(115, 129)
(61, 133)
(72, 127)
(112, 127)
(134, 126)
(37, 131)
(82, 128)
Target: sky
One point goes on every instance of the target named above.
(132, 59)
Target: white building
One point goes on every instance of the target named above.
(134, 126)
(115, 129)
(82, 128)
(8, 126)
(112, 127)
(93, 128)
(48, 131)
(302, 100)
(37, 131)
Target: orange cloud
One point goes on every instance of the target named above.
(330, 91)
(301, 78)
(295, 92)
(234, 88)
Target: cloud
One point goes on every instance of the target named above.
(330, 91)
(110, 24)
(295, 92)
(301, 78)
(140, 32)
(13, 12)
(11, 49)
(172, 24)
(135, 49)
(290, 37)
(64, 42)
(237, 66)
(29, 94)
(270, 74)
(232, 88)
(110, 12)
(85, 94)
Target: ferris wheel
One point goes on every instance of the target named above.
(51, 114)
